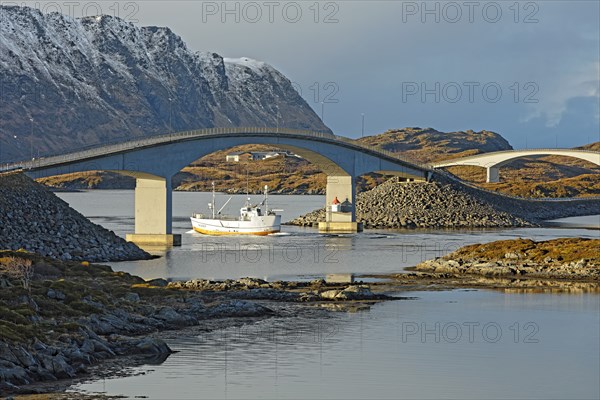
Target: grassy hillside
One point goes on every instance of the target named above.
(540, 177)
(428, 145)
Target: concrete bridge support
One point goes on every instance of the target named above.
(493, 175)
(343, 188)
(153, 213)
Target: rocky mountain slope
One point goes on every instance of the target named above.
(100, 79)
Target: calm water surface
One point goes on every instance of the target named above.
(450, 344)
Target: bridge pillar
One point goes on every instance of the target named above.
(493, 175)
(340, 220)
(153, 213)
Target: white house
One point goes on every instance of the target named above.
(258, 155)
(234, 157)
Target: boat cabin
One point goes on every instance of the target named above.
(246, 213)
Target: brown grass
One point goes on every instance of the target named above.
(564, 250)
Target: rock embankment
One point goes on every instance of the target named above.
(572, 259)
(395, 204)
(444, 203)
(34, 219)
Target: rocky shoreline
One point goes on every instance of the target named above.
(34, 219)
(445, 203)
(572, 259)
(75, 315)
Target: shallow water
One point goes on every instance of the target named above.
(477, 344)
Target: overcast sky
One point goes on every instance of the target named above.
(528, 70)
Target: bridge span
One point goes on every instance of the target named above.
(153, 162)
(493, 161)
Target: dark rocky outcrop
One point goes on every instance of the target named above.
(34, 219)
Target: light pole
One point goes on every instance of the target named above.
(170, 115)
(17, 144)
(363, 125)
(31, 140)
(323, 111)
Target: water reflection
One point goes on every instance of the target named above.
(510, 346)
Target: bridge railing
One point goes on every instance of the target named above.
(107, 149)
(444, 163)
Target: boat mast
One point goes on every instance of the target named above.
(266, 199)
(213, 200)
(247, 189)
(247, 183)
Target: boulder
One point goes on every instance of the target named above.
(132, 297)
(56, 294)
(172, 317)
(238, 308)
(151, 346)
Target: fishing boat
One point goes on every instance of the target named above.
(255, 219)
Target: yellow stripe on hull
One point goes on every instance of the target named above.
(218, 233)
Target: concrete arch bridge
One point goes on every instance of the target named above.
(493, 161)
(153, 162)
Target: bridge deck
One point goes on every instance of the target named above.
(97, 151)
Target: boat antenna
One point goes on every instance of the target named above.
(213, 200)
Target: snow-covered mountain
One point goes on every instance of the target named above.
(101, 79)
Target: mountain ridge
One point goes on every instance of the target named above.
(99, 79)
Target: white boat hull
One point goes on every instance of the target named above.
(261, 225)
